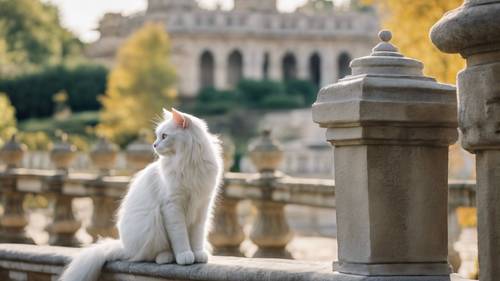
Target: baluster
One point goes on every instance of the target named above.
(13, 220)
(270, 230)
(472, 30)
(64, 225)
(227, 234)
(103, 156)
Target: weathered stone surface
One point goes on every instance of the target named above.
(475, 24)
(473, 30)
(50, 260)
(391, 127)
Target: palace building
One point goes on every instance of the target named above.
(217, 48)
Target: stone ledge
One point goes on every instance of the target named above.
(50, 260)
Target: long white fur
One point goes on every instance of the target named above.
(165, 214)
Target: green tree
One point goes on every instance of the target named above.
(7, 118)
(33, 35)
(142, 82)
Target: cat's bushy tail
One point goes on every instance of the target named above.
(87, 265)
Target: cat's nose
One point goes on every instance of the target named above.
(154, 145)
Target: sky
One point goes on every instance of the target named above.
(82, 16)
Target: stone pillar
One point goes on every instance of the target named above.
(275, 69)
(103, 213)
(473, 30)
(391, 128)
(64, 225)
(270, 230)
(329, 71)
(220, 60)
(227, 234)
(13, 220)
(303, 65)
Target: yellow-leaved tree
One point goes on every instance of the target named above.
(141, 83)
(7, 118)
(410, 22)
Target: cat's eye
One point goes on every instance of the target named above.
(163, 136)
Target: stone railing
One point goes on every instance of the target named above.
(391, 127)
(269, 191)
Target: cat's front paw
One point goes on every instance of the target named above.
(201, 256)
(185, 258)
(164, 257)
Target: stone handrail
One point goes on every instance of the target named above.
(24, 262)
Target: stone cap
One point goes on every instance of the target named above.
(385, 59)
(469, 29)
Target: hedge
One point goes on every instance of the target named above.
(31, 94)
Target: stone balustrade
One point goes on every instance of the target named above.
(269, 191)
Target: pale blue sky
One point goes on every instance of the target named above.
(82, 16)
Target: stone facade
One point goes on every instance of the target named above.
(254, 40)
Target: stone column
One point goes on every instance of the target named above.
(275, 69)
(270, 230)
(64, 225)
(473, 30)
(391, 128)
(227, 234)
(220, 60)
(13, 220)
(329, 69)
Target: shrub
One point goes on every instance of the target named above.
(31, 94)
(304, 88)
(282, 101)
(211, 101)
(253, 92)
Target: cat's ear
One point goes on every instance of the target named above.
(167, 115)
(179, 119)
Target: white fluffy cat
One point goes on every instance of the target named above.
(163, 217)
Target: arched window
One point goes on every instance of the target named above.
(343, 62)
(315, 69)
(289, 66)
(207, 70)
(235, 68)
(265, 66)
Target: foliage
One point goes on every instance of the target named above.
(7, 118)
(410, 21)
(282, 101)
(303, 88)
(76, 124)
(253, 92)
(32, 35)
(256, 94)
(211, 101)
(35, 140)
(32, 94)
(142, 82)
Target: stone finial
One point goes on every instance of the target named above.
(62, 153)
(12, 152)
(139, 153)
(266, 153)
(385, 36)
(103, 155)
